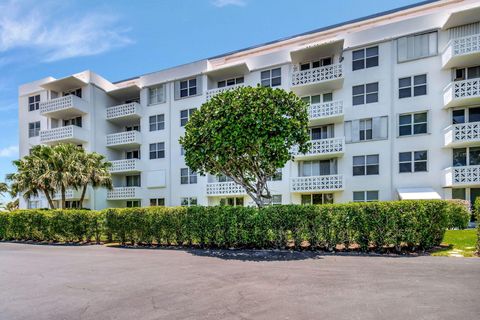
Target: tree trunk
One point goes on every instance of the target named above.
(49, 199)
(84, 190)
(63, 196)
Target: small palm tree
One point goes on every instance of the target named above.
(3, 188)
(94, 170)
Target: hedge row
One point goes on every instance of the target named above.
(477, 212)
(415, 224)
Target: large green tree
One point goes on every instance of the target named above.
(246, 134)
(93, 171)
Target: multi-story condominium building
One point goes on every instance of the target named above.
(394, 106)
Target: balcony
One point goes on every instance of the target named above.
(317, 183)
(462, 176)
(64, 107)
(67, 134)
(224, 188)
(460, 93)
(325, 78)
(462, 52)
(124, 112)
(213, 92)
(323, 148)
(462, 134)
(71, 194)
(125, 166)
(127, 139)
(124, 193)
(327, 112)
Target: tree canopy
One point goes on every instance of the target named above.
(246, 134)
(51, 169)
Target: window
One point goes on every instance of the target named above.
(459, 193)
(365, 93)
(366, 165)
(185, 116)
(365, 58)
(133, 204)
(316, 64)
(415, 161)
(322, 132)
(72, 204)
(157, 122)
(187, 176)
(223, 178)
(34, 102)
(132, 181)
(182, 151)
(466, 115)
(156, 94)
(157, 150)
(73, 92)
(230, 82)
(34, 129)
(466, 156)
(322, 198)
(277, 176)
(188, 87)
(417, 46)
(188, 201)
(365, 196)
(317, 168)
(33, 204)
(133, 154)
(271, 78)
(132, 128)
(157, 202)
(275, 200)
(73, 122)
(419, 86)
(412, 123)
(319, 98)
(467, 73)
(233, 202)
(366, 129)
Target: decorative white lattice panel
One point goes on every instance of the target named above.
(123, 110)
(213, 92)
(316, 183)
(323, 146)
(326, 109)
(316, 75)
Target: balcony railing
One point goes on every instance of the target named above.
(462, 92)
(213, 92)
(317, 75)
(224, 188)
(462, 133)
(71, 134)
(462, 176)
(317, 183)
(70, 194)
(124, 138)
(322, 147)
(125, 165)
(325, 110)
(64, 106)
(460, 51)
(121, 193)
(127, 110)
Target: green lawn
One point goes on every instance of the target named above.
(458, 243)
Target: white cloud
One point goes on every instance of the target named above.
(9, 152)
(56, 32)
(223, 3)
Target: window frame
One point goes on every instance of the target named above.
(412, 86)
(157, 202)
(157, 124)
(236, 81)
(412, 162)
(35, 131)
(407, 59)
(191, 84)
(365, 94)
(365, 195)
(412, 123)
(35, 104)
(364, 58)
(190, 201)
(184, 120)
(270, 78)
(156, 150)
(188, 176)
(160, 91)
(365, 165)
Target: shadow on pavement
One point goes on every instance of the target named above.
(256, 255)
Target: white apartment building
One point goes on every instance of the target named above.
(394, 114)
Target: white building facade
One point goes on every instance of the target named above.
(394, 113)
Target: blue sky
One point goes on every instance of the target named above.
(120, 39)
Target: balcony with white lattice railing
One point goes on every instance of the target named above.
(326, 183)
(326, 112)
(462, 52)
(461, 93)
(462, 134)
(67, 134)
(71, 194)
(322, 148)
(326, 78)
(125, 193)
(127, 139)
(213, 92)
(462, 176)
(125, 166)
(224, 189)
(124, 112)
(64, 107)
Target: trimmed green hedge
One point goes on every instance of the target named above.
(374, 225)
(477, 213)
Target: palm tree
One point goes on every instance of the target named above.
(94, 171)
(3, 188)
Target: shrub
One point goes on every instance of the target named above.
(375, 225)
(458, 214)
(477, 212)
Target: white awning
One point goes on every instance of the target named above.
(417, 194)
